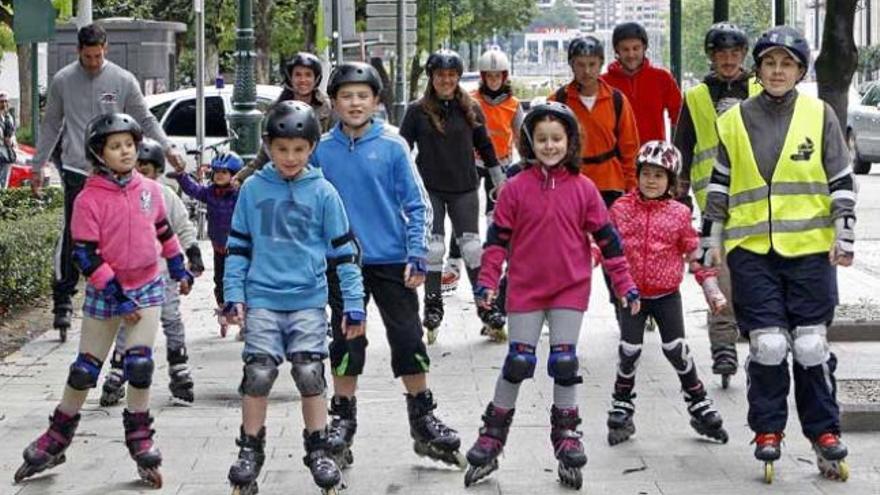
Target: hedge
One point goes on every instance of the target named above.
(29, 231)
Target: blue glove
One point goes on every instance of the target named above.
(481, 294)
(417, 266)
(631, 296)
(355, 317)
(114, 291)
(177, 270)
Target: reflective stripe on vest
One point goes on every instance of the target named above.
(793, 214)
(499, 122)
(702, 110)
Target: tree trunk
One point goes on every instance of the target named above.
(262, 41)
(415, 71)
(309, 33)
(838, 59)
(387, 95)
(24, 84)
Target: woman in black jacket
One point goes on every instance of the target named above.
(447, 125)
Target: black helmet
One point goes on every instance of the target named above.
(303, 59)
(354, 72)
(444, 59)
(537, 113)
(151, 152)
(104, 125)
(725, 35)
(628, 30)
(587, 45)
(785, 37)
(292, 119)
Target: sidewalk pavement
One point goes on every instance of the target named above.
(665, 457)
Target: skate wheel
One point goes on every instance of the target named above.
(768, 472)
(843, 470)
(223, 330)
(23, 472)
(570, 477)
(497, 335)
(151, 476)
(725, 381)
(476, 473)
(62, 334)
(432, 336)
(460, 460)
(250, 489)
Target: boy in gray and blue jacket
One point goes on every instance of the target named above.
(371, 167)
(288, 225)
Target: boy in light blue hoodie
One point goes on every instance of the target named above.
(288, 225)
(371, 167)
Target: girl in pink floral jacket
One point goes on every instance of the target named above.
(658, 238)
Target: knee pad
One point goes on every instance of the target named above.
(307, 370)
(519, 363)
(353, 358)
(259, 373)
(137, 366)
(810, 345)
(84, 372)
(436, 251)
(768, 346)
(628, 358)
(678, 354)
(471, 250)
(562, 365)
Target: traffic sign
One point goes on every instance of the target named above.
(33, 21)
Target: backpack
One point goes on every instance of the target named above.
(561, 96)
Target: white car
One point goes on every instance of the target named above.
(470, 81)
(176, 112)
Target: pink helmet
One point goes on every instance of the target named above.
(661, 154)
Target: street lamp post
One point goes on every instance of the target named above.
(244, 120)
(399, 80)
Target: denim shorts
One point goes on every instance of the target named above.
(282, 333)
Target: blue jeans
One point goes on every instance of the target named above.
(281, 333)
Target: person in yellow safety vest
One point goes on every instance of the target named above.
(727, 84)
(782, 200)
(504, 117)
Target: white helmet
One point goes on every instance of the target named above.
(493, 59)
(660, 154)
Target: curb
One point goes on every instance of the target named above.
(855, 414)
(854, 331)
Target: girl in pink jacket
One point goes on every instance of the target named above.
(541, 227)
(657, 232)
(119, 230)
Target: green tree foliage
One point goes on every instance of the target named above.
(754, 16)
(561, 15)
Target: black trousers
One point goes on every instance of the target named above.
(66, 273)
(399, 308)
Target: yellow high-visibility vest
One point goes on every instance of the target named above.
(702, 110)
(793, 214)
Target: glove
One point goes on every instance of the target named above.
(714, 297)
(114, 291)
(355, 317)
(194, 255)
(844, 239)
(484, 296)
(417, 266)
(630, 297)
(178, 271)
(709, 252)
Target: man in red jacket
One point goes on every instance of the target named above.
(649, 89)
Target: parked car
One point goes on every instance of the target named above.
(470, 81)
(863, 130)
(176, 112)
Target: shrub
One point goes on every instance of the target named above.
(15, 203)
(27, 242)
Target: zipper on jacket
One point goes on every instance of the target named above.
(645, 242)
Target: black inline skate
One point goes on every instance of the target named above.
(432, 438)
(483, 456)
(343, 426)
(620, 418)
(724, 362)
(705, 419)
(433, 316)
(245, 470)
(113, 389)
(319, 461)
(47, 451)
(63, 311)
(768, 449)
(181, 383)
(139, 440)
(830, 456)
(493, 323)
(567, 445)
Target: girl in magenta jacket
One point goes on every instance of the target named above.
(541, 227)
(657, 232)
(119, 231)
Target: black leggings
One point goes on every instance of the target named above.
(66, 273)
(464, 213)
(667, 312)
(454, 251)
